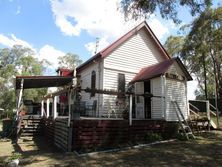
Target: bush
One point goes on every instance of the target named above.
(151, 137)
(171, 130)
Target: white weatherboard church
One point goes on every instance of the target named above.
(137, 59)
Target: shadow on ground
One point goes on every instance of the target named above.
(206, 150)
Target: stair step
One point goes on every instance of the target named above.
(29, 134)
(31, 121)
(30, 130)
(189, 133)
(32, 125)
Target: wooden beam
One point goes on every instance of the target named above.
(194, 112)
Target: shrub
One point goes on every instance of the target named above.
(171, 130)
(151, 137)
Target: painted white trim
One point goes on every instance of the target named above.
(47, 108)
(162, 78)
(54, 107)
(187, 102)
(165, 95)
(42, 108)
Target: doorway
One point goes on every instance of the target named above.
(147, 100)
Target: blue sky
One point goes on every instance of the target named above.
(54, 27)
(34, 22)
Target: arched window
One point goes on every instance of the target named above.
(93, 83)
(121, 85)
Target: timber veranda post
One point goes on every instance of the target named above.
(130, 110)
(70, 124)
(47, 108)
(208, 113)
(54, 107)
(17, 119)
(42, 108)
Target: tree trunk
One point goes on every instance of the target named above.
(205, 76)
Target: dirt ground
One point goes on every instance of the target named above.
(204, 151)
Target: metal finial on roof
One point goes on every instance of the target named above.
(97, 45)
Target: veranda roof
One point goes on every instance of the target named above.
(159, 69)
(42, 81)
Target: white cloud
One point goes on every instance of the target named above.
(100, 18)
(158, 28)
(50, 54)
(13, 40)
(47, 52)
(18, 11)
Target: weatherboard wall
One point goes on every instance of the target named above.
(176, 91)
(111, 83)
(129, 58)
(137, 52)
(156, 107)
(85, 82)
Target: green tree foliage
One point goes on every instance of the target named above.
(69, 61)
(204, 46)
(167, 8)
(17, 60)
(201, 49)
(174, 45)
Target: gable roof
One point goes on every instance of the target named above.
(105, 52)
(159, 69)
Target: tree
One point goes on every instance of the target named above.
(201, 51)
(174, 45)
(167, 8)
(17, 60)
(204, 41)
(69, 61)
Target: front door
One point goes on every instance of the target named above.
(147, 100)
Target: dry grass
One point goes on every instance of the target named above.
(205, 151)
(219, 120)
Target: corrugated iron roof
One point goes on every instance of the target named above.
(159, 69)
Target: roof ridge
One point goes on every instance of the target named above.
(106, 51)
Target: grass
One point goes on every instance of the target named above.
(206, 150)
(215, 120)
